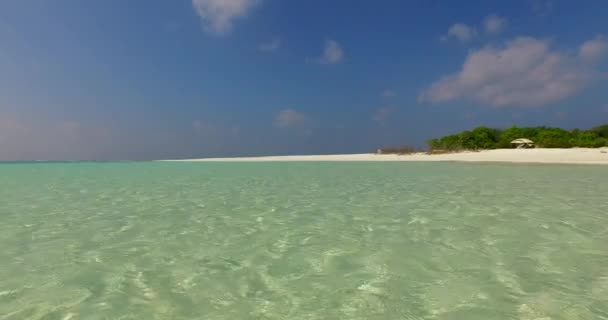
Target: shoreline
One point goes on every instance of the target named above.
(588, 156)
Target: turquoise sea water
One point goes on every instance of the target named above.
(303, 241)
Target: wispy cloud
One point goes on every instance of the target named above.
(595, 49)
(27, 139)
(270, 46)
(541, 7)
(523, 72)
(461, 32)
(381, 115)
(493, 24)
(290, 118)
(332, 53)
(388, 93)
(218, 15)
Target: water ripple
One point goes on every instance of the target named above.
(303, 241)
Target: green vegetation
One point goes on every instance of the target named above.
(405, 149)
(486, 138)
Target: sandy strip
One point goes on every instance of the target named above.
(565, 156)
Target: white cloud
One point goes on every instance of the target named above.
(494, 24)
(524, 72)
(460, 31)
(290, 118)
(595, 49)
(388, 93)
(332, 53)
(218, 15)
(270, 46)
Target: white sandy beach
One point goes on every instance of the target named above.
(539, 155)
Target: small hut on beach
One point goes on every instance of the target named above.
(523, 143)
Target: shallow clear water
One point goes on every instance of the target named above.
(303, 241)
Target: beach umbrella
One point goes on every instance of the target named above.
(523, 143)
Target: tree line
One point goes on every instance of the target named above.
(545, 137)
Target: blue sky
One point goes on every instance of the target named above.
(156, 79)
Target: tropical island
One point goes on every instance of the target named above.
(482, 144)
(484, 138)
